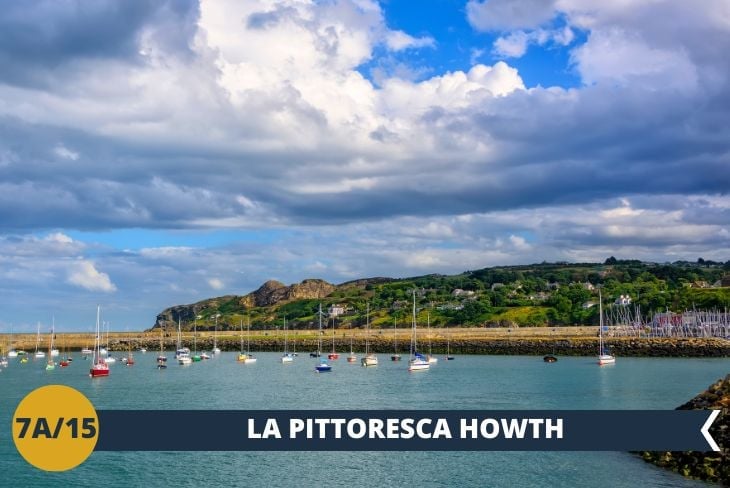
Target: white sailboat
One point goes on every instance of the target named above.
(196, 357)
(53, 352)
(287, 357)
(38, 353)
(250, 358)
(417, 361)
(12, 353)
(352, 357)
(603, 356)
(216, 350)
(333, 355)
(370, 359)
(102, 350)
(50, 364)
(161, 358)
(182, 354)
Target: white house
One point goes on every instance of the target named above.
(336, 310)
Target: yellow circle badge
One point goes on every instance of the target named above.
(55, 428)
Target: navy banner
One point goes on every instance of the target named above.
(405, 430)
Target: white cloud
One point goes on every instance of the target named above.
(216, 283)
(399, 40)
(65, 153)
(84, 274)
(487, 15)
(617, 56)
(514, 45)
(59, 237)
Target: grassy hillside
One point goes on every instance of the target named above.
(546, 294)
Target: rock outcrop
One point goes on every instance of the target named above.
(710, 466)
(269, 294)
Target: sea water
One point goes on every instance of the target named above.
(467, 383)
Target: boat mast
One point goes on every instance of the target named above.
(367, 328)
(285, 335)
(414, 347)
(319, 335)
(248, 335)
(600, 323)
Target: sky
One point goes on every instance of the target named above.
(158, 153)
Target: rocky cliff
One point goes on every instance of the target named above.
(270, 294)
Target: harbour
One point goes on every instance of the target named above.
(479, 382)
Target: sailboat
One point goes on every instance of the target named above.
(50, 364)
(250, 358)
(53, 352)
(130, 359)
(12, 353)
(182, 353)
(161, 358)
(333, 355)
(246, 357)
(287, 357)
(322, 366)
(603, 356)
(431, 358)
(370, 359)
(216, 350)
(109, 359)
(352, 357)
(86, 351)
(66, 358)
(395, 356)
(98, 364)
(3, 358)
(417, 361)
(38, 353)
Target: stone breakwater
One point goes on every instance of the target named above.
(622, 347)
(710, 466)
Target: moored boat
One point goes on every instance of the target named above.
(287, 357)
(604, 357)
(322, 366)
(98, 365)
(417, 362)
(370, 359)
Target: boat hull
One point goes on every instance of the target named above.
(606, 359)
(418, 365)
(99, 369)
(323, 368)
(369, 361)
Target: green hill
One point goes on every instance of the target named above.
(546, 294)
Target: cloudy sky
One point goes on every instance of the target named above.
(155, 153)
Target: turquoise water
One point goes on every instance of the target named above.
(469, 382)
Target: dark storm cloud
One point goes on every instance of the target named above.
(38, 38)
